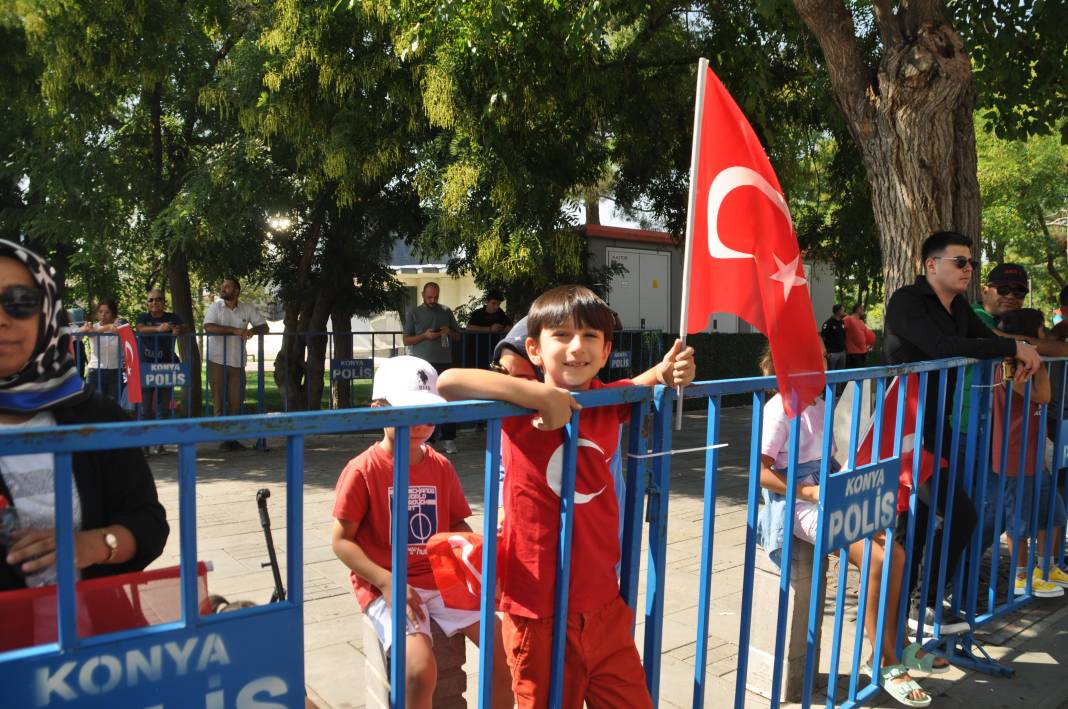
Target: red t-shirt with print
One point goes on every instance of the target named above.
(436, 503)
(533, 464)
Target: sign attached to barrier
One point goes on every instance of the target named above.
(240, 663)
(860, 502)
(1061, 457)
(619, 359)
(164, 375)
(345, 369)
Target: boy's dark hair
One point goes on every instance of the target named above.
(837, 308)
(569, 304)
(1063, 297)
(1025, 321)
(936, 244)
(493, 295)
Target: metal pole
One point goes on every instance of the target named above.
(698, 113)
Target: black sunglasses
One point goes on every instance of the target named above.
(21, 302)
(961, 261)
(155, 300)
(1018, 293)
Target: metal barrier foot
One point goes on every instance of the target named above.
(959, 650)
(261, 445)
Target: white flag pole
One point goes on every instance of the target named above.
(698, 111)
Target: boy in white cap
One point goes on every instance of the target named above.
(436, 503)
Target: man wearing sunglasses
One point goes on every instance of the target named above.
(931, 319)
(157, 330)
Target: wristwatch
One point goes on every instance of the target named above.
(112, 543)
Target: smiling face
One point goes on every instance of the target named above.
(18, 337)
(156, 303)
(570, 356)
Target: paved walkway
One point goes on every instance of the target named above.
(1036, 642)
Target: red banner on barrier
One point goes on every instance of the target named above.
(131, 364)
(908, 439)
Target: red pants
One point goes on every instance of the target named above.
(601, 663)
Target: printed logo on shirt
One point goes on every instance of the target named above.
(422, 516)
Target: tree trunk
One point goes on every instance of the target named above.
(341, 321)
(912, 121)
(188, 350)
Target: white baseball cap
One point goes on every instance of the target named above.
(406, 381)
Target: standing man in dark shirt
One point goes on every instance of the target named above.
(486, 326)
(834, 337)
(931, 319)
(157, 330)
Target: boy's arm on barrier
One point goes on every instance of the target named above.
(554, 405)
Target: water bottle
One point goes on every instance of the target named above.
(444, 340)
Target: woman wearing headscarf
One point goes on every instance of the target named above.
(119, 523)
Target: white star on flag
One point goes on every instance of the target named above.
(787, 275)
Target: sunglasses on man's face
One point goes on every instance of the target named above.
(960, 262)
(1018, 293)
(155, 300)
(21, 302)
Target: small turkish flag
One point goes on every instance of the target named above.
(131, 364)
(743, 252)
(456, 562)
(908, 440)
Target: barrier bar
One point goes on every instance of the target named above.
(563, 562)
(187, 531)
(634, 502)
(65, 572)
(708, 528)
(487, 631)
(658, 519)
(399, 568)
(755, 434)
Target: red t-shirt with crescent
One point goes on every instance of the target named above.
(533, 464)
(436, 503)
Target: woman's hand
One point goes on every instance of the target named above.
(35, 549)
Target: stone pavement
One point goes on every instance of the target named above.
(229, 535)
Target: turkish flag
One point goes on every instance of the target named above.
(131, 364)
(908, 440)
(743, 251)
(456, 562)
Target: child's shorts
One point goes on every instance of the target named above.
(450, 620)
(1047, 496)
(806, 517)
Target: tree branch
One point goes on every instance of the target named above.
(917, 13)
(1049, 242)
(889, 24)
(832, 25)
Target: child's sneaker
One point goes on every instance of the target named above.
(1039, 587)
(1057, 576)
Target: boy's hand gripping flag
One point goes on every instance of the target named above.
(742, 255)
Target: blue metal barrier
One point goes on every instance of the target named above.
(256, 654)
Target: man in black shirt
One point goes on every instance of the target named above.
(932, 319)
(486, 326)
(834, 337)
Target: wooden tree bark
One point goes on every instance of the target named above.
(911, 116)
(341, 320)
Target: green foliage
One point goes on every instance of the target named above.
(1024, 187)
(1019, 51)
